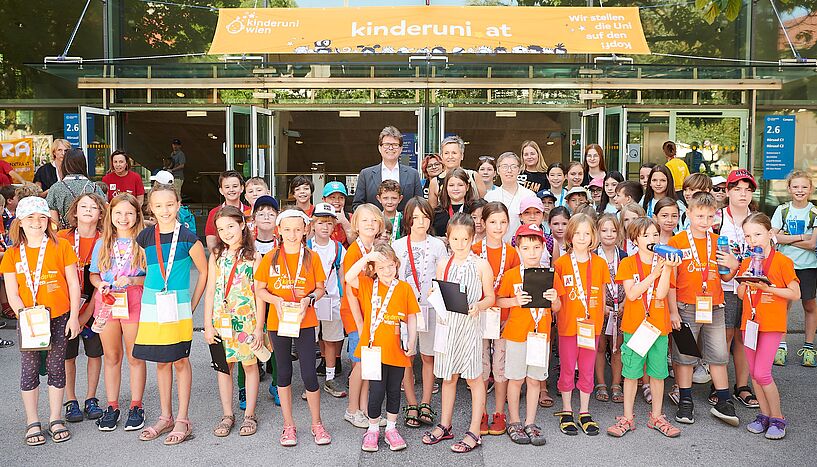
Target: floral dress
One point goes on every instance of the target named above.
(236, 320)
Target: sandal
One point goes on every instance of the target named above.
(618, 393)
(225, 426)
(430, 438)
(517, 433)
(164, 425)
(55, 434)
(37, 438)
(622, 427)
(749, 401)
(462, 447)
(178, 437)
(249, 426)
(566, 423)
(713, 395)
(663, 426)
(589, 427)
(601, 393)
(427, 414)
(545, 400)
(412, 421)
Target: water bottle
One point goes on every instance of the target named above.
(262, 354)
(757, 261)
(104, 313)
(723, 245)
(665, 251)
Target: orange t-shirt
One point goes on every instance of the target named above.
(634, 309)
(278, 280)
(53, 291)
(520, 321)
(387, 335)
(771, 311)
(86, 247)
(690, 284)
(495, 260)
(352, 256)
(565, 284)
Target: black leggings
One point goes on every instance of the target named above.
(54, 360)
(305, 345)
(387, 388)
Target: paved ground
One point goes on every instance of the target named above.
(707, 441)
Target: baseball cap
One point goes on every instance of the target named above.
(718, 180)
(163, 176)
(32, 205)
(177, 141)
(740, 174)
(324, 210)
(531, 202)
(532, 230)
(265, 200)
(576, 190)
(597, 182)
(290, 213)
(546, 194)
(334, 187)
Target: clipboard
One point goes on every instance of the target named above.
(685, 341)
(742, 279)
(536, 282)
(219, 357)
(455, 299)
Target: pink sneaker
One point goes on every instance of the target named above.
(370, 440)
(394, 440)
(289, 437)
(321, 435)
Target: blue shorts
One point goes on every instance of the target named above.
(354, 340)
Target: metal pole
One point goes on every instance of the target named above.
(76, 28)
(106, 24)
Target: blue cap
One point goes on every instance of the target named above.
(265, 200)
(334, 187)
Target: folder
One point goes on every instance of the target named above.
(685, 341)
(219, 357)
(455, 299)
(537, 281)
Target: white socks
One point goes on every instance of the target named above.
(391, 425)
(330, 373)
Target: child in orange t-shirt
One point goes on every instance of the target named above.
(502, 257)
(647, 279)
(765, 306)
(521, 322)
(293, 273)
(54, 285)
(387, 303)
(580, 278)
(86, 216)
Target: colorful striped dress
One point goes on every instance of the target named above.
(165, 342)
(463, 349)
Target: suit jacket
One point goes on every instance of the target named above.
(369, 180)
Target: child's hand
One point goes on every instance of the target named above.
(762, 286)
(675, 320)
(304, 305)
(258, 339)
(72, 328)
(121, 282)
(374, 256)
(523, 298)
(671, 262)
(473, 312)
(210, 334)
(104, 287)
(550, 295)
(411, 351)
(728, 260)
(278, 303)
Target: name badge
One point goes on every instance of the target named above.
(290, 324)
(611, 323)
(440, 337)
(35, 328)
(119, 309)
(225, 327)
(643, 338)
(489, 322)
(568, 280)
(703, 309)
(323, 309)
(537, 352)
(422, 319)
(370, 359)
(167, 308)
(750, 337)
(585, 334)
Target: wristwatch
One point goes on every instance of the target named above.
(311, 299)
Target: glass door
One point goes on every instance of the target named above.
(615, 138)
(238, 144)
(592, 127)
(262, 144)
(711, 142)
(97, 137)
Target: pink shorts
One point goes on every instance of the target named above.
(134, 304)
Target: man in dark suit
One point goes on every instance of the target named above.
(390, 145)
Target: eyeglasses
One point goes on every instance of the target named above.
(391, 145)
(434, 165)
(718, 189)
(508, 167)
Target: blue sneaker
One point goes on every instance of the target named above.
(273, 391)
(72, 412)
(92, 409)
(760, 425)
(136, 419)
(109, 419)
(242, 399)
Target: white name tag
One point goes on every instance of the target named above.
(643, 338)
(750, 338)
(35, 328)
(611, 320)
(489, 321)
(370, 359)
(703, 309)
(323, 309)
(224, 326)
(290, 324)
(119, 309)
(538, 350)
(167, 308)
(440, 337)
(422, 319)
(585, 334)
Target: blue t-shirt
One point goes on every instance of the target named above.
(123, 244)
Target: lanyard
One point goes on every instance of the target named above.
(363, 249)
(754, 298)
(83, 261)
(460, 269)
(694, 248)
(451, 210)
(501, 270)
(612, 287)
(562, 198)
(378, 315)
(119, 258)
(229, 282)
(293, 280)
(34, 282)
(417, 280)
(395, 226)
(583, 296)
(173, 243)
(535, 313)
(647, 297)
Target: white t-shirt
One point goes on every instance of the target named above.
(264, 246)
(737, 244)
(512, 202)
(803, 259)
(328, 253)
(427, 254)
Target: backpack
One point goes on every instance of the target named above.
(812, 215)
(186, 218)
(335, 263)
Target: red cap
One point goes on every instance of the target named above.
(532, 230)
(740, 174)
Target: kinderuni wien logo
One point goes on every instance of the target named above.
(249, 24)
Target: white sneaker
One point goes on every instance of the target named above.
(357, 419)
(701, 374)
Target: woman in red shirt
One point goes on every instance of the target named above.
(122, 180)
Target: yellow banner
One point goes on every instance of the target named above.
(20, 154)
(430, 29)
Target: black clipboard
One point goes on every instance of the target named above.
(742, 279)
(685, 341)
(536, 282)
(219, 357)
(455, 300)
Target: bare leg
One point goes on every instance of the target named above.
(531, 401)
(285, 394)
(94, 371)
(71, 378)
(313, 399)
(225, 390)
(630, 388)
(477, 406)
(252, 382)
(428, 378)
(657, 387)
(111, 337)
(601, 362)
(810, 309)
(184, 383)
(164, 380)
(136, 367)
(514, 394)
(355, 383)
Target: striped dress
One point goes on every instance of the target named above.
(165, 342)
(463, 350)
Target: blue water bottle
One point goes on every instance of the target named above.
(665, 251)
(723, 245)
(757, 261)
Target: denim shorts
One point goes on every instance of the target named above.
(711, 338)
(352, 342)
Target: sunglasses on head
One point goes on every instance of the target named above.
(486, 158)
(718, 189)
